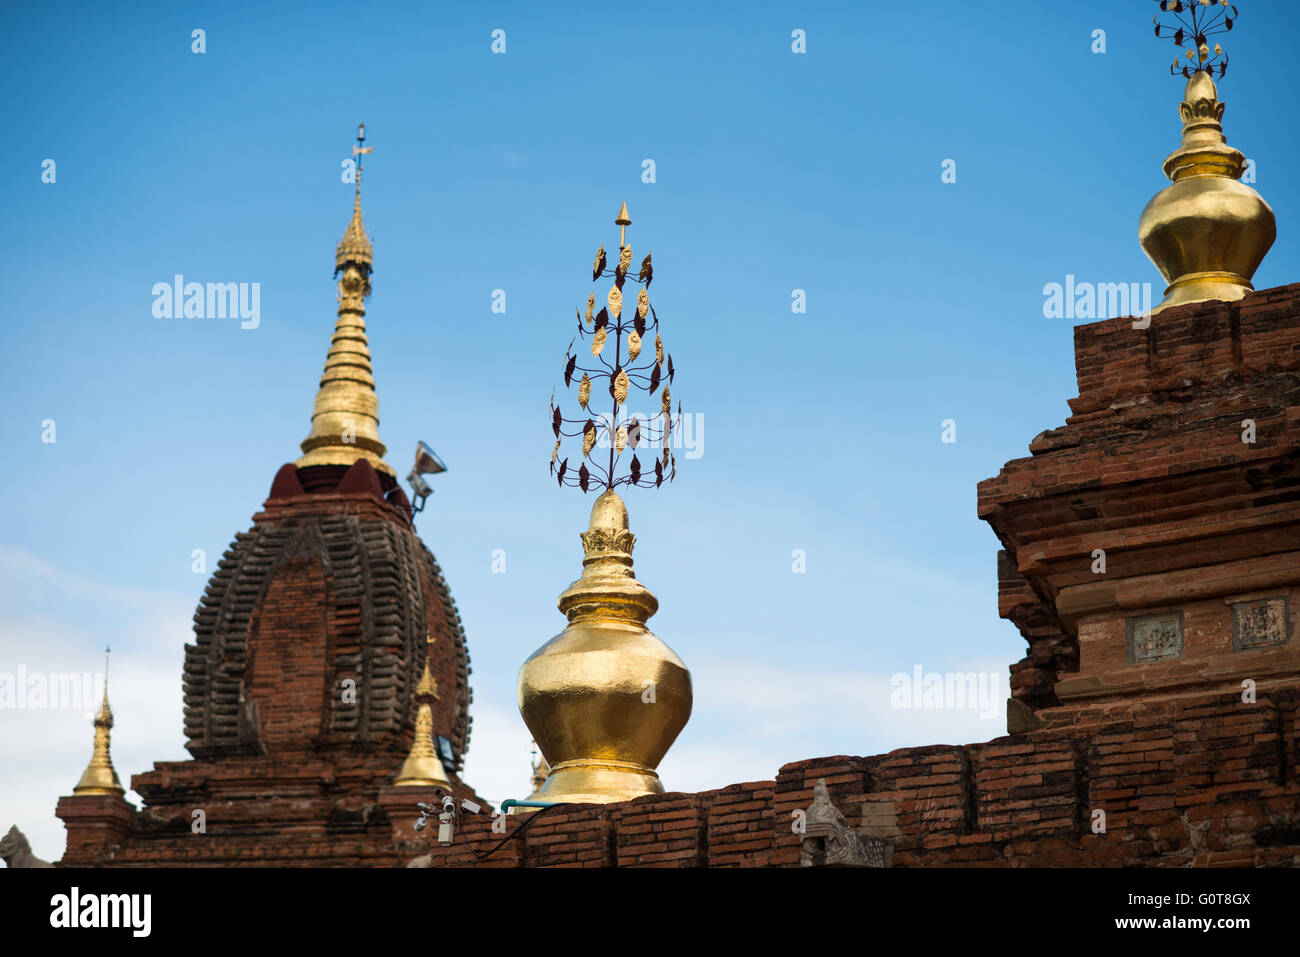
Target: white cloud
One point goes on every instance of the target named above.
(43, 612)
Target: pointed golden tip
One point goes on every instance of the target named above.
(427, 689)
(355, 246)
(622, 217)
(608, 511)
(1200, 87)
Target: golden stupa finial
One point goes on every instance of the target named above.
(345, 415)
(100, 777)
(605, 698)
(423, 767)
(1207, 232)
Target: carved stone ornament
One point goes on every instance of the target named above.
(829, 841)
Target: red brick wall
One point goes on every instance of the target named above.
(288, 652)
(1207, 782)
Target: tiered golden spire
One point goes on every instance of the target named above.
(422, 765)
(100, 777)
(345, 416)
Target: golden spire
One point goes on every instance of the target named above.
(422, 765)
(345, 415)
(604, 699)
(1207, 232)
(100, 776)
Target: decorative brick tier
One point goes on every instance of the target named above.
(1181, 463)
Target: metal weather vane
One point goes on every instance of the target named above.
(1194, 22)
(618, 373)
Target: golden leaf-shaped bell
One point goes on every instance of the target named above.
(598, 341)
(642, 303)
(665, 456)
(555, 451)
(615, 300)
(659, 351)
(591, 305)
(588, 440)
(624, 260)
(667, 402)
(584, 390)
(620, 439)
(620, 386)
(633, 346)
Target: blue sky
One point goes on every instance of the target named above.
(775, 171)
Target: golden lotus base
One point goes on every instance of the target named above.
(597, 782)
(1204, 287)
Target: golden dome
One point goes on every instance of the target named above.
(605, 698)
(1207, 232)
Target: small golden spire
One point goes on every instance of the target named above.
(623, 222)
(423, 767)
(345, 415)
(100, 777)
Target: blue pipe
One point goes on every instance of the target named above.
(511, 802)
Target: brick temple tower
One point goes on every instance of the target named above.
(328, 661)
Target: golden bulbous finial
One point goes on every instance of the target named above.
(605, 698)
(1207, 232)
